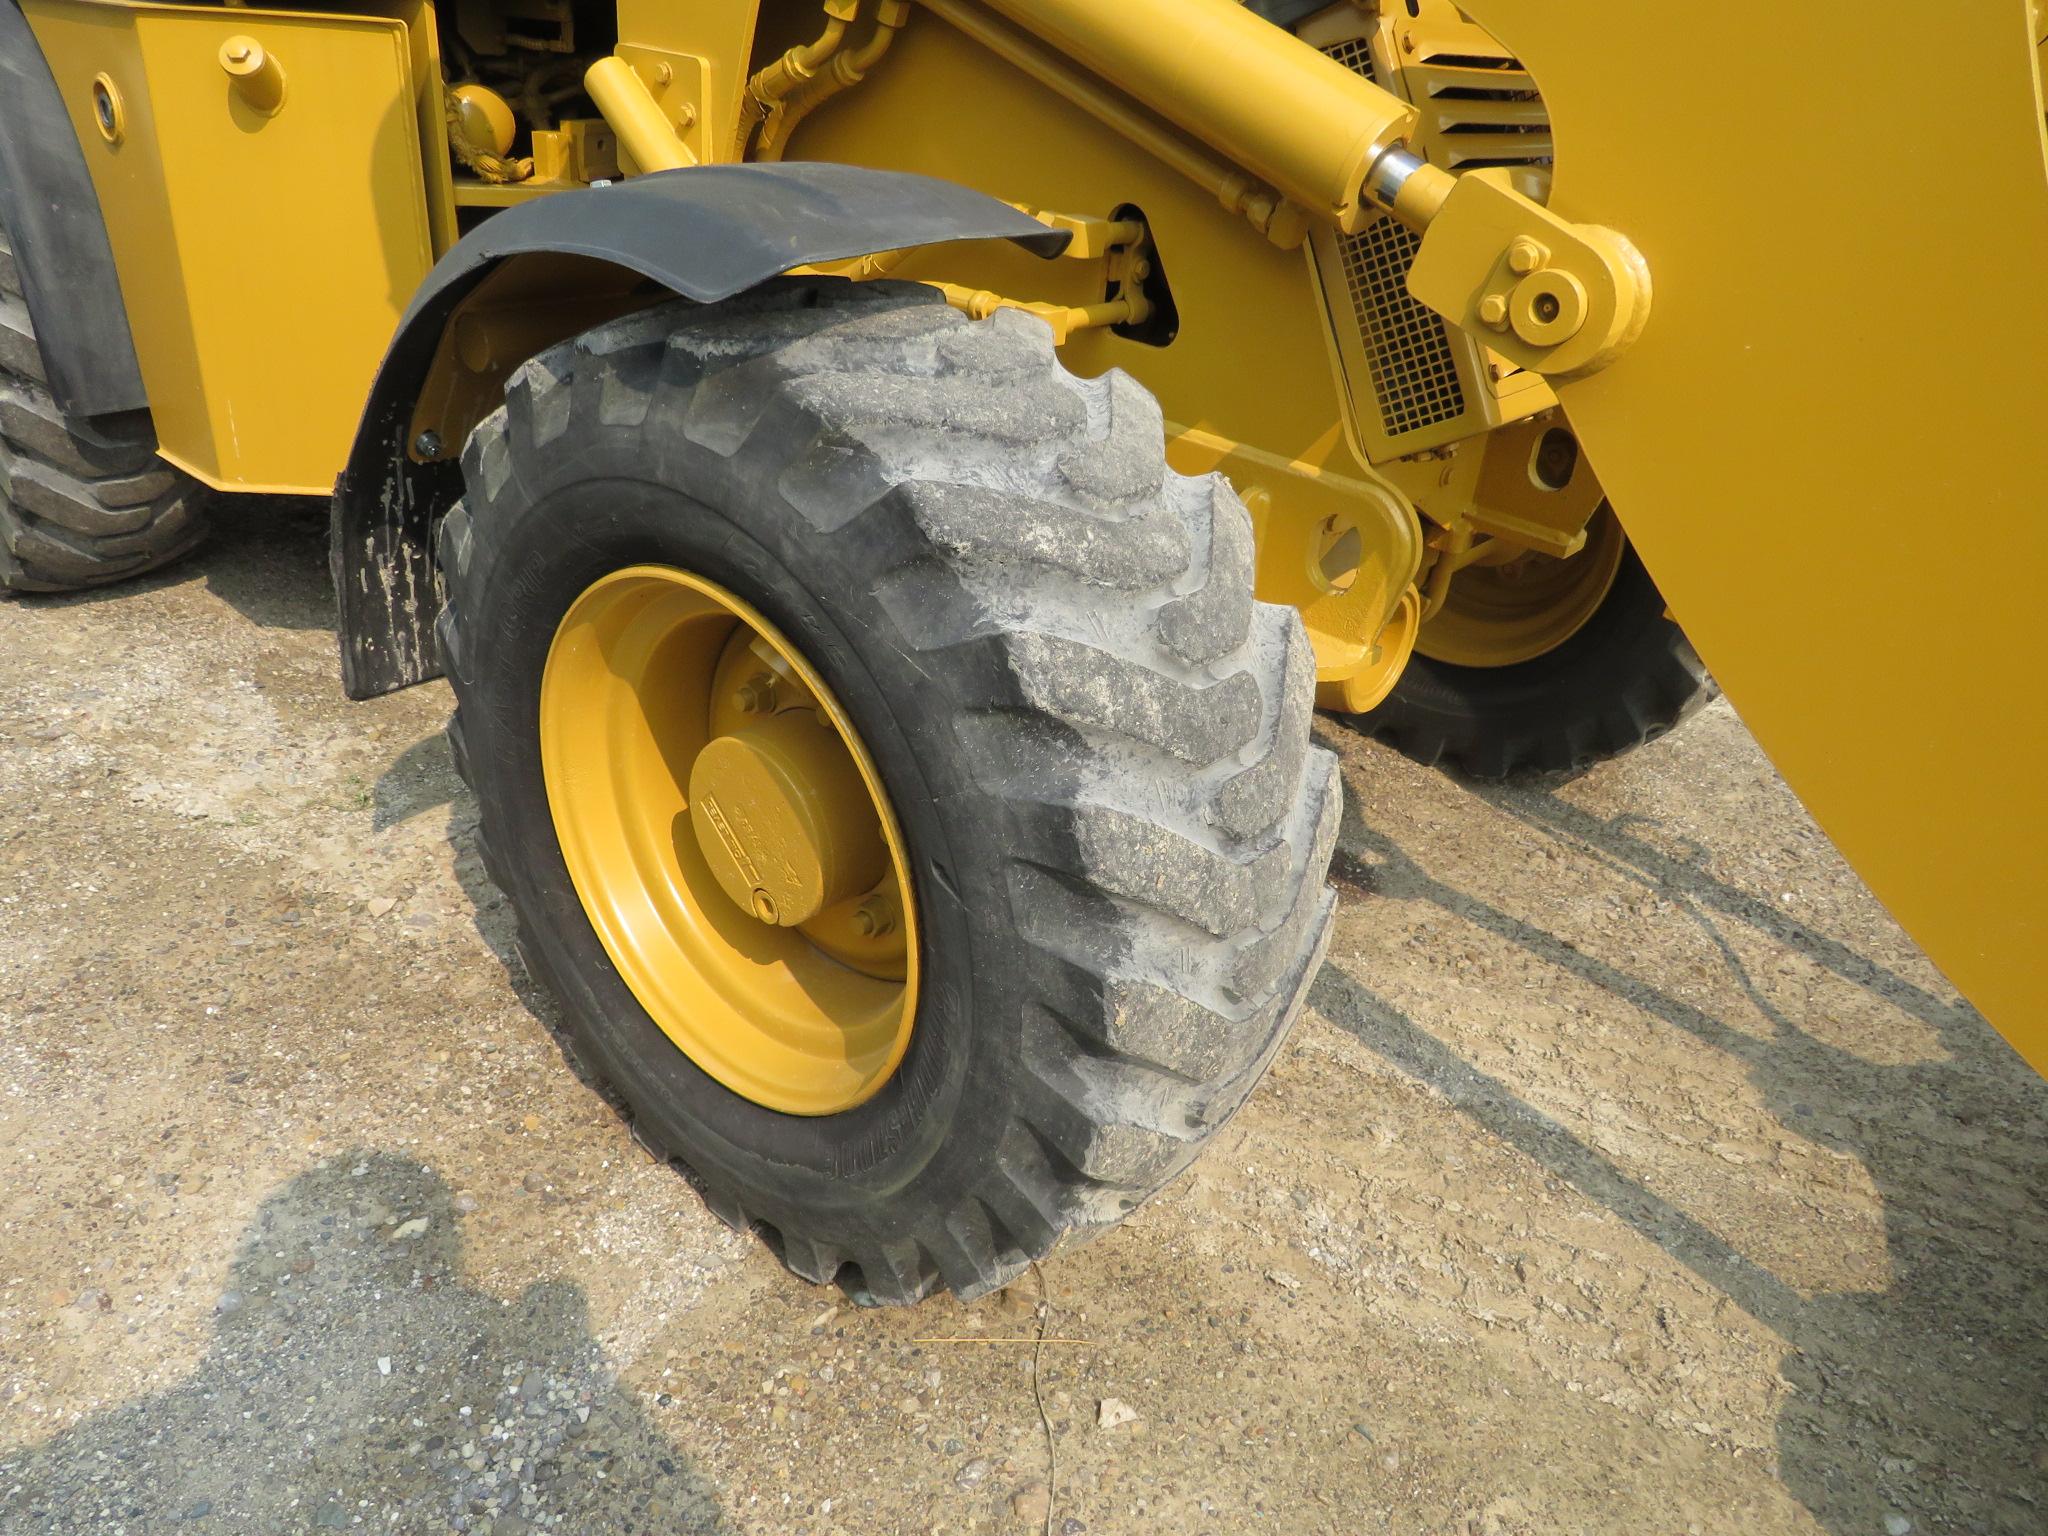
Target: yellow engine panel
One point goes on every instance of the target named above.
(266, 249)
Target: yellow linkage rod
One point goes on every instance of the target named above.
(1250, 90)
(1279, 220)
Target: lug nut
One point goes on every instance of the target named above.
(757, 695)
(875, 917)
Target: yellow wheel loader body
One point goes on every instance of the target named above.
(1438, 288)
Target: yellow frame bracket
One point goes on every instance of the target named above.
(644, 129)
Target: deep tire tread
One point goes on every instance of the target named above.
(76, 510)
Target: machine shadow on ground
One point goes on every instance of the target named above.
(356, 1381)
(261, 538)
(1917, 1402)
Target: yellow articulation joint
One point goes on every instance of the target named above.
(1557, 298)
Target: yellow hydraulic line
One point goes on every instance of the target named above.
(1281, 221)
(1250, 90)
(1064, 319)
(644, 130)
(848, 69)
(1456, 552)
(767, 89)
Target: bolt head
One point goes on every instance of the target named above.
(1526, 256)
(1493, 311)
(427, 445)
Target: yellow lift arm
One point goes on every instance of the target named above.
(1828, 443)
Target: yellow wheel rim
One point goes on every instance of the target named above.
(1496, 615)
(729, 837)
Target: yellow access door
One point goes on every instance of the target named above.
(269, 225)
(1829, 443)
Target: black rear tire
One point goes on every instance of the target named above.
(1095, 742)
(1626, 677)
(81, 504)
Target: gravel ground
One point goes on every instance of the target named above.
(1630, 1171)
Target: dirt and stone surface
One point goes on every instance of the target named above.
(1629, 1171)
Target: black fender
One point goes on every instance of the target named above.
(53, 220)
(706, 233)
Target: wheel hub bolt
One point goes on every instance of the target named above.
(875, 917)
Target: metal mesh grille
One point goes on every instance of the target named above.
(1414, 371)
(1354, 53)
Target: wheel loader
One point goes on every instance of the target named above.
(888, 483)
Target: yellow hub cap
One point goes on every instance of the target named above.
(729, 838)
(1496, 615)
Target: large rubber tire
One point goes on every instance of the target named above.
(1095, 742)
(78, 507)
(1626, 677)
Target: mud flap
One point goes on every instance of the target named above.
(1829, 444)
